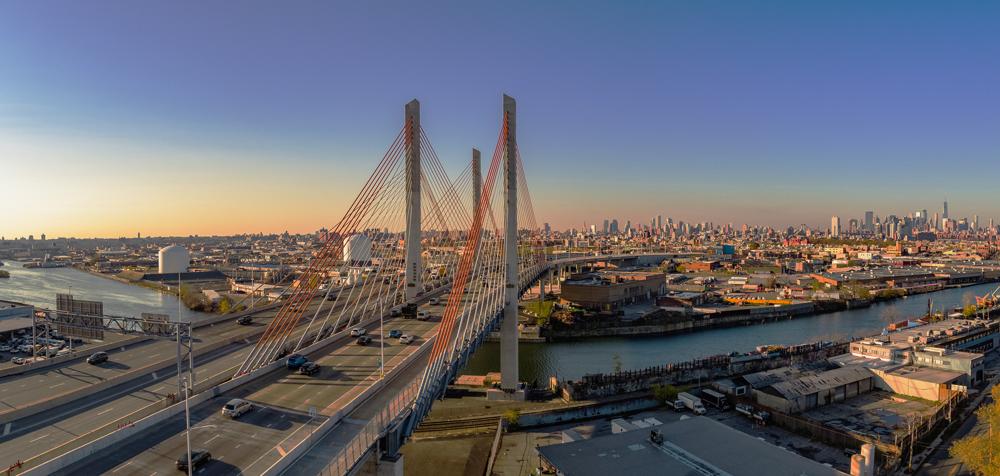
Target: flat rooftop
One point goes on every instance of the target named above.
(692, 447)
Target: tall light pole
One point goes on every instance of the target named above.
(187, 424)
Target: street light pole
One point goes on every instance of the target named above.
(187, 424)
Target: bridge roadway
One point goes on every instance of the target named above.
(283, 399)
(36, 434)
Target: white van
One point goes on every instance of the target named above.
(423, 315)
(236, 407)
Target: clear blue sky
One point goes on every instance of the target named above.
(743, 111)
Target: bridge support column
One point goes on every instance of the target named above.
(414, 270)
(477, 191)
(508, 330)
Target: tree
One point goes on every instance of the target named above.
(225, 305)
(511, 416)
(969, 311)
(665, 393)
(981, 453)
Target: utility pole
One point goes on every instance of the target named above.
(414, 270)
(187, 425)
(508, 331)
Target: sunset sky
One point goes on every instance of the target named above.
(118, 117)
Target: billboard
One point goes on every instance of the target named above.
(79, 318)
(156, 324)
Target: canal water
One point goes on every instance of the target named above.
(573, 359)
(39, 286)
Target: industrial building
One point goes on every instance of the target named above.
(698, 445)
(609, 290)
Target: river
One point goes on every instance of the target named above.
(573, 359)
(39, 287)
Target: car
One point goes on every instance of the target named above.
(5, 348)
(405, 339)
(295, 361)
(423, 315)
(395, 333)
(97, 358)
(394, 312)
(435, 301)
(18, 361)
(358, 331)
(236, 407)
(198, 458)
(25, 348)
(364, 340)
(309, 368)
(245, 320)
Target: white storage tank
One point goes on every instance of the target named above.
(174, 259)
(358, 249)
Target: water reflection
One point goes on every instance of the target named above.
(39, 287)
(569, 360)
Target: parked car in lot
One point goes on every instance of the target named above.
(5, 348)
(395, 333)
(364, 340)
(406, 339)
(25, 348)
(198, 458)
(236, 407)
(309, 368)
(358, 331)
(18, 361)
(245, 320)
(295, 361)
(97, 358)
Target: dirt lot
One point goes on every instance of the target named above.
(463, 456)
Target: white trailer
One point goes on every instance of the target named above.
(692, 402)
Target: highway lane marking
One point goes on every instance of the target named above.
(57, 385)
(105, 411)
(122, 466)
(39, 438)
(210, 440)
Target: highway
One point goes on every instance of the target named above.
(252, 443)
(85, 419)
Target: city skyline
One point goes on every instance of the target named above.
(822, 110)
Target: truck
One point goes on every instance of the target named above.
(715, 399)
(692, 402)
(759, 417)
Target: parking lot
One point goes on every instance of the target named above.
(15, 349)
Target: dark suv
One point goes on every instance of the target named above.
(245, 320)
(309, 368)
(198, 458)
(98, 358)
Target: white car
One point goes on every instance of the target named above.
(358, 331)
(405, 339)
(423, 315)
(236, 407)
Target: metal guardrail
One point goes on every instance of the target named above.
(359, 445)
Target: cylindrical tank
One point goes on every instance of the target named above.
(857, 465)
(174, 259)
(358, 249)
(868, 451)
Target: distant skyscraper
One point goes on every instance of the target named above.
(835, 226)
(870, 221)
(606, 223)
(945, 214)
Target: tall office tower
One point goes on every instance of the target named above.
(835, 226)
(614, 226)
(605, 226)
(548, 229)
(975, 222)
(925, 217)
(936, 224)
(945, 214)
(659, 222)
(870, 221)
